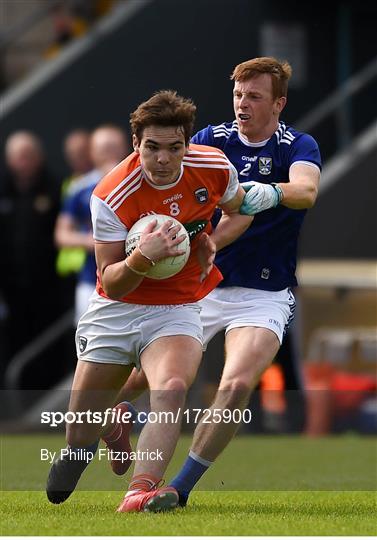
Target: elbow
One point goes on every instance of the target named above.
(115, 296)
(115, 291)
(112, 293)
(110, 289)
(311, 197)
(109, 286)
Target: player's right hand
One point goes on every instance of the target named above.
(206, 254)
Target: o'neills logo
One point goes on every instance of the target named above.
(175, 197)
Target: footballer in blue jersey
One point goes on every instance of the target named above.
(280, 168)
(264, 257)
(76, 208)
(270, 245)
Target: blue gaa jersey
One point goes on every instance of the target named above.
(77, 206)
(264, 257)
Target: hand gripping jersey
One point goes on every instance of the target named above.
(125, 195)
(263, 257)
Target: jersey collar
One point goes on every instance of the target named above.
(248, 143)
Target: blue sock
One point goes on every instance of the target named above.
(191, 472)
(130, 407)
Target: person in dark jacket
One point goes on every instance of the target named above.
(29, 202)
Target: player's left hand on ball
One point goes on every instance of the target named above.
(206, 254)
(259, 197)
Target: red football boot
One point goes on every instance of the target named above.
(118, 440)
(155, 500)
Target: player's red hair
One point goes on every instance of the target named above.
(280, 73)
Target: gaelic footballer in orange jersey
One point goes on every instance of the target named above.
(135, 321)
(206, 180)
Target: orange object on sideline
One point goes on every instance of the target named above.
(331, 393)
(272, 389)
(350, 389)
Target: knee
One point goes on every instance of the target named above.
(234, 393)
(171, 394)
(175, 384)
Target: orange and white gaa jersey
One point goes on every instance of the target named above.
(125, 195)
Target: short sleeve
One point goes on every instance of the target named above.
(232, 187)
(305, 149)
(107, 227)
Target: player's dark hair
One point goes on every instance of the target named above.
(280, 73)
(164, 108)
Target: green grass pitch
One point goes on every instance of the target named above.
(260, 486)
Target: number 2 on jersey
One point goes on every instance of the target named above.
(245, 171)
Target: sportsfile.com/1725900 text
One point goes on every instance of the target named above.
(112, 416)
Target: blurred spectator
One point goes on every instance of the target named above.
(108, 146)
(29, 202)
(77, 155)
(70, 260)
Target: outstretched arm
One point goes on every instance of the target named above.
(299, 193)
(302, 189)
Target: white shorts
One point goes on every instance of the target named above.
(113, 332)
(235, 307)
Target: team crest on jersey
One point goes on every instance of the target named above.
(265, 165)
(201, 195)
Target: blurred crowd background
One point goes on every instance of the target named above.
(71, 73)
